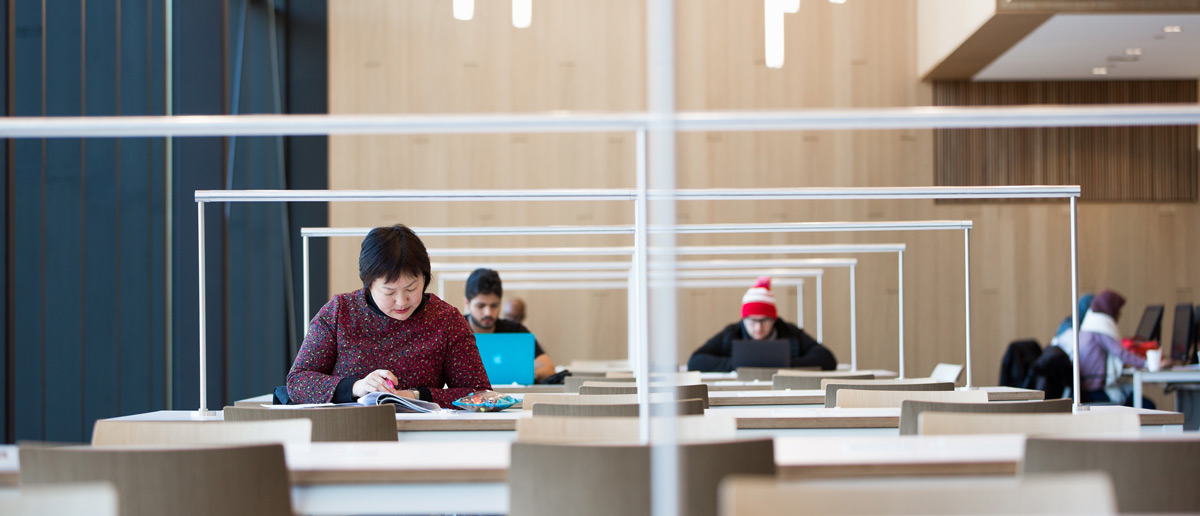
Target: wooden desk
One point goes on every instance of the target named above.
(815, 418)
(817, 396)
(951, 455)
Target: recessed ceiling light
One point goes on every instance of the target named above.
(1172, 28)
(1100, 70)
(1133, 51)
(837, 1)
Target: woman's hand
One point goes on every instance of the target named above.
(380, 380)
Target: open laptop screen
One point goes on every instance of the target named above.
(761, 353)
(507, 357)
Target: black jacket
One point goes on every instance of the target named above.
(714, 355)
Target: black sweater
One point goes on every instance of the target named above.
(714, 355)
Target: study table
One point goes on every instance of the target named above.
(751, 421)
(1176, 375)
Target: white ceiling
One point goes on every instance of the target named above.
(1068, 46)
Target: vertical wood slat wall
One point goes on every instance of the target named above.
(1149, 163)
(413, 57)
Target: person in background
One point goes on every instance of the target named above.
(482, 300)
(1101, 356)
(514, 310)
(389, 336)
(1062, 337)
(760, 322)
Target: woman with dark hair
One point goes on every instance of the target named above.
(389, 336)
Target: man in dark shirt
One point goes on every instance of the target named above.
(482, 300)
(760, 322)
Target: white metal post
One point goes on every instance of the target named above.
(800, 305)
(1075, 311)
(853, 324)
(820, 319)
(203, 410)
(967, 302)
(639, 358)
(307, 315)
(900, 302)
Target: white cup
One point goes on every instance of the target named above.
(1153, 359)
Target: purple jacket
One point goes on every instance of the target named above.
(1094, 349)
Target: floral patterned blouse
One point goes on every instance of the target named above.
(433, 351)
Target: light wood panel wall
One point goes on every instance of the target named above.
(402, 57)
(1145, 163)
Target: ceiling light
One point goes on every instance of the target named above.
(773, 32)
(837, 1)
(1172, 28)
(522, 13)
(791, 6)
(1133, 51)
(464, 9)
(1100, 70)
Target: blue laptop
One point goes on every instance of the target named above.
(507, 357)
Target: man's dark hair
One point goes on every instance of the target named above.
(484, 281)
(391, 251)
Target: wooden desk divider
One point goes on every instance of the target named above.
(108, 432)
(694, 391)
(764, 374)
(856, 398)
(621, 429)
(832, 387)
(688, 407)
(947, 423)
(809, 380)
(910, 410)
(1150, 474)
(187, 481)
(607, 479)
(685, 377)
(375, 423)
(1083, 493)
(529, 400)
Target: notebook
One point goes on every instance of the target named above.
(761, 353)
(507, 357)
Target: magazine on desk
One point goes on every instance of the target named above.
(403, 405)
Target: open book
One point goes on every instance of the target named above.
(402, 404)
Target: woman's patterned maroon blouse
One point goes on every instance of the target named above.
(433, 348)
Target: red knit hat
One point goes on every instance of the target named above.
(759, 300)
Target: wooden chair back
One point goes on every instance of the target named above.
(621, 430)
(1090, 493)
(832, 387)
(811, 380)
(109, 432)
(683, 392)
(691, 407)
(375, 423)
(910, 410)
(595, 480)
(186, 481)
(855, 398)
(1149, 474)
(943, 372)
(947, 423)
(93, 499)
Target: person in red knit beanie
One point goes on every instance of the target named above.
(760, 321)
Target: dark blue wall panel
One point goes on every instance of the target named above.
(28, 392)
(63, 280)
(101, 269)
(136, 231)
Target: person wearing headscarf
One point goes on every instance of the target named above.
(1101, 356)
(1062, 336)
